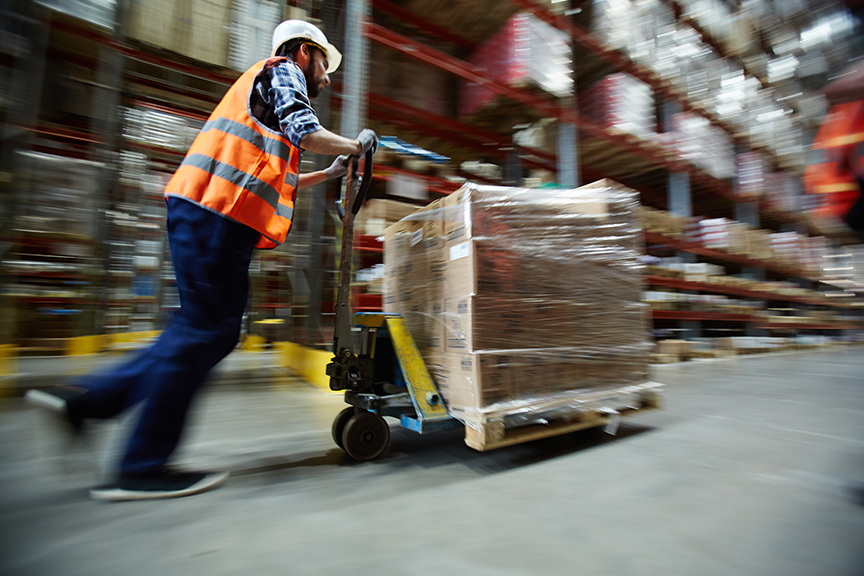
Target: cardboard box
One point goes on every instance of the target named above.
(738, 238)
(676, 347)
(516, 294)
(759, 245)
(378, 214)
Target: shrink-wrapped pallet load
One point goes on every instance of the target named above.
(522, 299)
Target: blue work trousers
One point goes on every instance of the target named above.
(211, 256)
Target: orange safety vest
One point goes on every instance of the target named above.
(240, 168)
(835, 175)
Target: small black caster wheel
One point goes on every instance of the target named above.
(366, 436)
(339, 425)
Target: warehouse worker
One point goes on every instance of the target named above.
(847, 93)
(234, 191)
(840, 177)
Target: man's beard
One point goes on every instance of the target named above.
(311, 84)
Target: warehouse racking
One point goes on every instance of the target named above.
(641, 164)
(417, 61)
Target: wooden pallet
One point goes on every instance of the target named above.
(711, 353)
(597, 409)
(665, 358)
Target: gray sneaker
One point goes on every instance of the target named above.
(56, 401)
(160, 484)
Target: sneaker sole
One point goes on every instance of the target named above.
(118, 494)
(55, 408)
(48, 401)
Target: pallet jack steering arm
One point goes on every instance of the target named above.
(347, 207)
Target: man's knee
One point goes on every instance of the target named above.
(226, 340)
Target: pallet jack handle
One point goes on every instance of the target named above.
(356, 188)
(365, 183)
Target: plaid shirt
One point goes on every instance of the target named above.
(280, 101)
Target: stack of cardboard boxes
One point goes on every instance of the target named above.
(515, 295)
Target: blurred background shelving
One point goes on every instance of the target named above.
(707, 108)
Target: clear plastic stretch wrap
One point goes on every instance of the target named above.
(522, 298)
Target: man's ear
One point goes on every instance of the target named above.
(304, 56)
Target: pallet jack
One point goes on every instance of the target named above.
(378, 365)
(376, 362)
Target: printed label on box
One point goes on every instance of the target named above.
(416, 237)
(460, 251)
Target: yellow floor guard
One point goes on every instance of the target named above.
(310, 363)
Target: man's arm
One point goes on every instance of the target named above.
(337, 169)
(311, 179)
(329, 144)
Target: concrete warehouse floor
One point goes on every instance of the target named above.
(746, 471)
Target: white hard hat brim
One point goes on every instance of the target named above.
(334, 57)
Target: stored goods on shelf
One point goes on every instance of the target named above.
(661, 222)
(160, 129)
(750, 174)
(401, 79)
(787, 246)
(66, 197)
(251, 27)
(704, 145)
(198, 29)
(620, 102)
(782, 191)
(526, 51)
(691, 58)
(518, 298)
(674, 347)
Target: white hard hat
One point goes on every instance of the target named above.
(291, 29)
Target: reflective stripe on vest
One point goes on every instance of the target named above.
(265, 144)
(240, 168)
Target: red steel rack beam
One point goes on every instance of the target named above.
(365, 243)
(169, 109)
(460, 68)
(65, 134)
(700, 316)
(674, 244)
(731, 290)
(463, 135)
(422, 23)
(396, 119)
(463, 131)
(142, 56)
(796, 327)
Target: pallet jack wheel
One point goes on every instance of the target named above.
(339, 425)
(366, 436)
